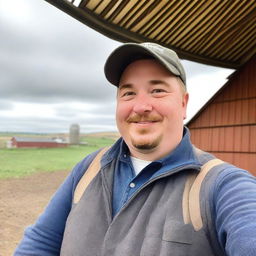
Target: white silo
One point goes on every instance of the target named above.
(74, 131)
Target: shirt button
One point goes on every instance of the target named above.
(132, 185)
(124, 155)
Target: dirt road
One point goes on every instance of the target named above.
(21, 201)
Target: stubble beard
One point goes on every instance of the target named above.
(146, 144)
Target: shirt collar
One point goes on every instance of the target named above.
(183, 154)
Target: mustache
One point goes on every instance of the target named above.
(135, 118)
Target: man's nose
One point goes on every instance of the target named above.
(142, 104)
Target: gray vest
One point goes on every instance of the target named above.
(151, 223)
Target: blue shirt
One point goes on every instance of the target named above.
(233, 202)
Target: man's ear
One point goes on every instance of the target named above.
(185, 104)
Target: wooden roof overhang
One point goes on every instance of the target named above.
(214, 32)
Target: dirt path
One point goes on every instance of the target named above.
(21, 201)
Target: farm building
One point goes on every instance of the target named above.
(29, 142)
(226, 125)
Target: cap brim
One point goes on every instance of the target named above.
(120, 58)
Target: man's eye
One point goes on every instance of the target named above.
(129, 93)
(158, 91)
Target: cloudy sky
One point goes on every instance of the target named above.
(51, 72)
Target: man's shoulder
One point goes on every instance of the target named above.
(226, 179)
(219, 174)
(202, 156)
(81, 167)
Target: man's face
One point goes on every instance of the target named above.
(151, 106)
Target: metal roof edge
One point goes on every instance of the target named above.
(116, 33)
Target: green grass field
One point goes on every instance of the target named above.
(19, 162)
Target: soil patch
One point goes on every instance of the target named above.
(21, 201)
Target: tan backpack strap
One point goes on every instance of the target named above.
(191, 195)
(89, 174)
(185, 200)
(194, 195)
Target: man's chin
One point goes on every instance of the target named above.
(145, 145)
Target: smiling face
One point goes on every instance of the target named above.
(151, 106)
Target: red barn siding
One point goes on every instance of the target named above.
(226, 126)
(40, 145)
(37, 144)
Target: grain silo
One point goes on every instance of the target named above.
(74, 131)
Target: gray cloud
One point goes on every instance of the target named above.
(50, 81)
(62, 62)
(71, 110)
(5, 105)
(58, 124)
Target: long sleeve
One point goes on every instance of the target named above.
(45, 236)
(235, 212)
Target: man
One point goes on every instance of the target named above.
(135, 203)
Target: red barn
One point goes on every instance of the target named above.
(226, 125)
(29, 142)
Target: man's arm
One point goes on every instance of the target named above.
(45, 236)
(235, 212)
